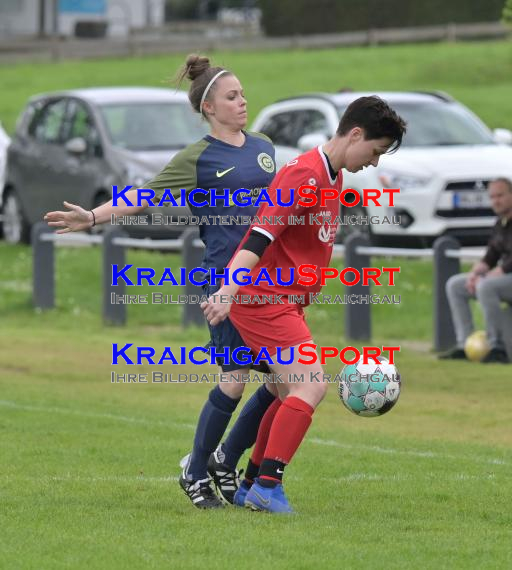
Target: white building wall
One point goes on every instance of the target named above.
(123, 15)
(21, 17)
(18, 17)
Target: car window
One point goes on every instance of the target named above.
(26, 118)
(47, 124)
(152, 125)
(80, 124)
(439, 124)
(283, 128)
(313, 121)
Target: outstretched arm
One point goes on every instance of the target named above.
(77, 219)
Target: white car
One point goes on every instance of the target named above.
(4, 143)
(447, 158)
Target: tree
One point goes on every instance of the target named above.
(507, 13)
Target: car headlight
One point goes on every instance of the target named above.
(406, 182)
(138, 178)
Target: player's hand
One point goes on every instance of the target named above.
(75, 220)
(496, 272)
(472, 282)
(214, 309)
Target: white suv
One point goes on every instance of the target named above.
(447, 158)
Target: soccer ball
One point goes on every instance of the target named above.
(371, 389)
(476, 346)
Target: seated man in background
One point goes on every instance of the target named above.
(490, 281)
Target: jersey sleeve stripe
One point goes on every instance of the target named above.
(264, 232)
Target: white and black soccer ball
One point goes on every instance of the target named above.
(371, 389)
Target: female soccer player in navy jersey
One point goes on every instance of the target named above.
(229, 157)
(368, 129)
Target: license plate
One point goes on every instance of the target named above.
(471, 199)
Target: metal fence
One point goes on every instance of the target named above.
(446, 256)
(21, 48)
(357, 251)
(114, 244)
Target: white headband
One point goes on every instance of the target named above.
(205, 92)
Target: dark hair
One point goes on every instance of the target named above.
(197, 68)
(376, 118)
(503, 180)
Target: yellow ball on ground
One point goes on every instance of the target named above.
(476, 346)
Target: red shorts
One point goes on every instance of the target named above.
(270, 326)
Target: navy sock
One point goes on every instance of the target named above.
(243, 434)
(252, 471)
(212, 424)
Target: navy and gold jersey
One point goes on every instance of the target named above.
(212, 165)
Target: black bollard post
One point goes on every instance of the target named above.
(43, 267)
(192, 257)
(357, 315)
(113, 313)
(444, 268)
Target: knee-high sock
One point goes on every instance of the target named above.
(212, 424)
(263, 432)
(243, 434)
(288, 429)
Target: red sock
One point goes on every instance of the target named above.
(288, 429)
(263, 432)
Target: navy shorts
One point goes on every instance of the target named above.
(225, 334)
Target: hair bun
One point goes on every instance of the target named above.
(196, 65)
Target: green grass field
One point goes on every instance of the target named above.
(88, 471)
(478, 73)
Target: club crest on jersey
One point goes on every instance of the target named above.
(242, 196)
(266, 163)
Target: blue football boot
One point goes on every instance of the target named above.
(239, 499)
(270, 500)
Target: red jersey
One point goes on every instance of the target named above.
(293, 244)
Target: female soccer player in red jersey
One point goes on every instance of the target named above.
(368, 129)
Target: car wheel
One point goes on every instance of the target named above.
(358, 227)
(15, 227)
